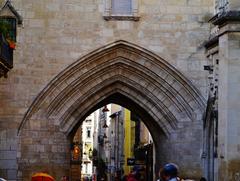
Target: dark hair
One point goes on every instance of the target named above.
(170, 170)
(203, 179)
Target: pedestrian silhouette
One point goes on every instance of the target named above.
(169, 172)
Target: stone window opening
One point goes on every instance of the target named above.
(123, 7)
(121, 10)
(88, 132)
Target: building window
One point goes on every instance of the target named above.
(122, 7)
(10, 27)
(121, 10)
(10, 17)
(86, 168)
(88, 132)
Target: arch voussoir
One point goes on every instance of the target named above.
(109, 87)
(112, 71)
(147, 79)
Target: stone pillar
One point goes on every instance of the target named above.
(227, 46)
(229, 91)
(229, 104)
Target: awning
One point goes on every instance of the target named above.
(42, 177)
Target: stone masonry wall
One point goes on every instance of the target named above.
(183, 148)
(43, 149)
(55, 33)
(229, 136)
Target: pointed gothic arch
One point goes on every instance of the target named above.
(147, 82)
(164, 89)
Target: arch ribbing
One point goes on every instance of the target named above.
(124, 68)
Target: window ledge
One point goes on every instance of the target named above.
(121, 18)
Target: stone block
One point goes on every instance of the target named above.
(12, 174)
(107, 32)
(3, 173)
(40, 148)
(36, 23)
(8, 155)
(8, 164)
(53, 7)
(4, 145)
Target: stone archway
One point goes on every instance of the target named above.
(126, 74)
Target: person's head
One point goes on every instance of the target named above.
(203, 179)
(169, 171)
(65, 178)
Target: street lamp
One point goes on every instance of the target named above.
(105, 109)
(104, 135)
(105, 124)
(76, 151)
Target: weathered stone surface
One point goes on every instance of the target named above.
(57, 33)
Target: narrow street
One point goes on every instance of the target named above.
(110, 144)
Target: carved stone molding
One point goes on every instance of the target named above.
(122, 18)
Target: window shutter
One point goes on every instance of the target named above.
(121, 6)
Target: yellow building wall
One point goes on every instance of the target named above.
(128, 139)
